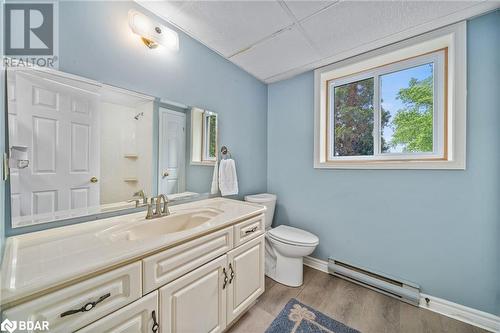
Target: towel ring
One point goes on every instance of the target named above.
(224, 151)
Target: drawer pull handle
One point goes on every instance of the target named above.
(254, 229)
(225, 278)
(87, 307)
(232, 273)
(155, 323)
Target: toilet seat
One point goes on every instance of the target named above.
(293, 236)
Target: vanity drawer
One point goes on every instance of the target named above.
(166, 266)
(138, 317)
(249, 229)
(102, 295)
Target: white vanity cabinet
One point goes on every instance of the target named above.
(200, 285)
(246, 276)
(212, 296)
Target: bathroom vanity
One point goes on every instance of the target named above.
(196, 270)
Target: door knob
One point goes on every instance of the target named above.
(93, 180)
(165, 174)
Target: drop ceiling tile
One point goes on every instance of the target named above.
(260, 37)
(285, 51)
(303, 9)
(351, 24)
(227, 26)
(165, 9)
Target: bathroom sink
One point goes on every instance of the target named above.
(176, 222)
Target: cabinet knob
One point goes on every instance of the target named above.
(165, 174)
(93, 180)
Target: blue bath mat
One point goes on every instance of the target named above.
(299, 318)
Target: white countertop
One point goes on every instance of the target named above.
(37, 261)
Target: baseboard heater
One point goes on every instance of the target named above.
(405, 291)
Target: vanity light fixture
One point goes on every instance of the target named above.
(152, 33)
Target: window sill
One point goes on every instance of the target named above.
(393, 164)
(203, 163)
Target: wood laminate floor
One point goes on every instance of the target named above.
(358, 307)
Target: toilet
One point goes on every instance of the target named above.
(285, 246)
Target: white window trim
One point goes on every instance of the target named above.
(452, 38)
(206, 138)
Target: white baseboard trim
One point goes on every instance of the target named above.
(453, 310)
(460, 312)
(317, 264)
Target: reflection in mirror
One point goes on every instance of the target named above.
(173, 136)
(126, 143)
(203, 137)
(80, 148)
(76, 147)
(172, 152)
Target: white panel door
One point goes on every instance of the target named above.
(59, 126)
(16, 209)
(195, 302)
(246, 276)
(172, 152)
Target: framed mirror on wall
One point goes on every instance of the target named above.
(79, 148)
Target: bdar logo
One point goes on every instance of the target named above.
(8, 326)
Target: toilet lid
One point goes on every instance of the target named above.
(261, 198)
(293, 235)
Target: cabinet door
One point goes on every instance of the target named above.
(246, 263)
(196, 302)
(138, 317)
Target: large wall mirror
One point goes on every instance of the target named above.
(80, 148)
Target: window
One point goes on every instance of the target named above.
(203, 137)
(390, 112)
(209, 136)
(393, 109)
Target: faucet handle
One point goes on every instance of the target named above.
(141, 194)
(149, 214)
(136, 202)
(165, 209)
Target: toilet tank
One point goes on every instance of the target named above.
(268, 200)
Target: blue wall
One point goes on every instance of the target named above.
(439, 229)
(95, 41)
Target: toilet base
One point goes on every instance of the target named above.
(289, 271)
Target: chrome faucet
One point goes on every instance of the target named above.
(136, 195)
(156, 209)
(142, 195)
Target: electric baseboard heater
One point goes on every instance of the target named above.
(405, 291)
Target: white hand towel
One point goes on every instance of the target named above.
(215, 179)
(228, 181)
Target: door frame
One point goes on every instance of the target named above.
(162, 112)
